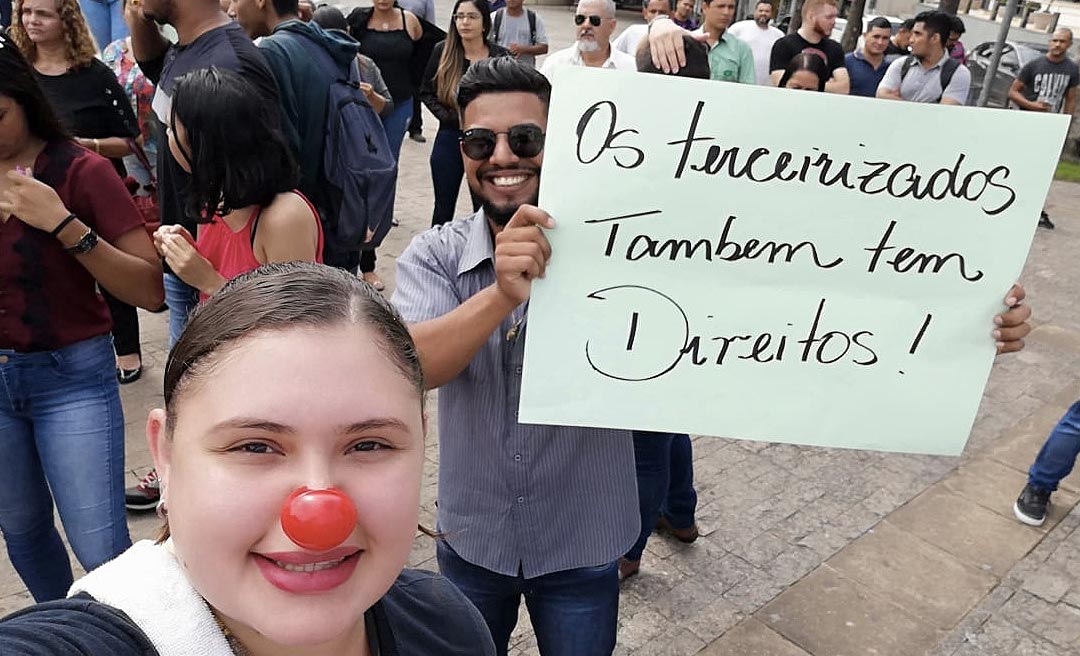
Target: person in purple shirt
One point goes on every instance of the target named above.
(953, 45)
(684, 15)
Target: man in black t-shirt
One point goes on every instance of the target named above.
(1048, 84)
(207, 37)
(901, 41)
(819, 17)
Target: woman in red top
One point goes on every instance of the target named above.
(242, 176)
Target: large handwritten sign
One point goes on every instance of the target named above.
(776, 265)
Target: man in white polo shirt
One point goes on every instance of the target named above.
(595, 20)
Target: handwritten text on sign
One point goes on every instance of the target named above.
(776, 265)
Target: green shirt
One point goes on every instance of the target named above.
(731, 60)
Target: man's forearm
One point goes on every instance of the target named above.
(841, 86)
(146, 41)
(448, 344)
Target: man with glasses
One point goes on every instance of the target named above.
(595, 20)
(540, 512)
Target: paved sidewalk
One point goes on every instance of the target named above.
(817, 551)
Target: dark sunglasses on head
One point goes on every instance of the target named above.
(593, 20)
(525, 141)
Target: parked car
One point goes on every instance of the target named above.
(1013, 57)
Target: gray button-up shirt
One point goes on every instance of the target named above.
(513, 498)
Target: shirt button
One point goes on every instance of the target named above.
(521, 499)
(517, 457)
(517, 370)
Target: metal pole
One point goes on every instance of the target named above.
(995, 59)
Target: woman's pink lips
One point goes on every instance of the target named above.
(307, 582)
(308, 557)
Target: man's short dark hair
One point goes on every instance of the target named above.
(286, 7)
(759, 3)
(330, 17)
(501, 75)
(697, 59)
(879, 23)
(936, 22)
(957, 24)
(907, 25)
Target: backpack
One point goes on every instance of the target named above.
(359, 171)
(947, 71)
(497, 21)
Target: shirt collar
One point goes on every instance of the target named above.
(608, 63)
(478, 244)
(940, 62)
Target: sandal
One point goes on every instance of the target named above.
(373, 279)
(125, 376)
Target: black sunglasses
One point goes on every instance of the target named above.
(593, 20)
(525, 141)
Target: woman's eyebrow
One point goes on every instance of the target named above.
(254, 423)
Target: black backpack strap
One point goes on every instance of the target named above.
(948, 69)
(532, 26)
(496, 25)
(909, 63)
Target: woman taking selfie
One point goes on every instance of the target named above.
(67, 227)
(465, 43)
(257, 573)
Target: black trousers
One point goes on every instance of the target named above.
(125, 330)
(416, 123)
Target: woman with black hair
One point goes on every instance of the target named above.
(466, 42)
(243, 185)
(805, 72)
(67, 226)
(92, 105)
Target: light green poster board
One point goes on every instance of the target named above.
(775, 265)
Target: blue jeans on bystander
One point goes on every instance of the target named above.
(665, 477)
(105, 18)
(181, 299)
(1058, 455)
(61, 429)
(574, 613)
(395, 125)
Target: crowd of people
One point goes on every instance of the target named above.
(194, 165)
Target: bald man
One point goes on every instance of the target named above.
(1048, 84)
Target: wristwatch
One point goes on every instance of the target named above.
(85, 244)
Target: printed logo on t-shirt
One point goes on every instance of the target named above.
(1050, 88)
(819, 53)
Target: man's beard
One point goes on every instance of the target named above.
(588, 45)
(763, 22)
(501, 215)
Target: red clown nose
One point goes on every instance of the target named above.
(318, 520)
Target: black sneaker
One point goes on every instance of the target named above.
(1045, 222)
(145, 495)
(417, 136)
(1030, 506)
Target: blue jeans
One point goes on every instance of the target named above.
(105, 19)
(665, 477)
(574, 613)
(395, 123)
(447, 170)
(61, 429)
(181, 299)
(1058, 455)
